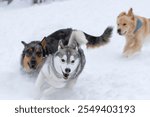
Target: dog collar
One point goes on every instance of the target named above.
(138, 25)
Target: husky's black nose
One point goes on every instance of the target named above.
(119, 31)
(67, 70)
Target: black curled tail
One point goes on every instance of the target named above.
(101, 40)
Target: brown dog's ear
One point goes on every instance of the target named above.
(43, 42)
(121, 14)
(24, 43)
(130, 13)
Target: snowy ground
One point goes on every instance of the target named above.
(107, 74)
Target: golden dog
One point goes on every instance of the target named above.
(135, 29)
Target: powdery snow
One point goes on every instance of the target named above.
(107, 74)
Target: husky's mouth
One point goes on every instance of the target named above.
(65, 75)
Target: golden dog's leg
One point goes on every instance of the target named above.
(128, 44)
(133, 48)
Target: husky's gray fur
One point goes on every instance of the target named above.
(51, 78)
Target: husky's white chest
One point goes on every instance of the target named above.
(52, 79)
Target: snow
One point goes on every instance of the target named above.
(107, 74)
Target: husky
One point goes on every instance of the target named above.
(61, 69)
(50, 43)
(66, 59)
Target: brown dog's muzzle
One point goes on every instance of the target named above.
(32, 64)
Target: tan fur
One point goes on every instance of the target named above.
(43, 42)
(134, 40)
(94, 46)
(25, 63)
(39, 59)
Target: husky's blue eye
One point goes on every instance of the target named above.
(72, 61)
(62, 60)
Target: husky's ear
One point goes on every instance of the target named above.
(74, 45)
(60, 45)
(121, 14)
(43, 42)
(24, 43)
(130, 13)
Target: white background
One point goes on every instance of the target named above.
(7, 108)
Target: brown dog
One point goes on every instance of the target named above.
(33, 56)
(135, 29)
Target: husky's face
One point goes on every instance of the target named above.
(66, 60)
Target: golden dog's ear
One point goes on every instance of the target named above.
(121, 14)
(43, 42)
(130, 13)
